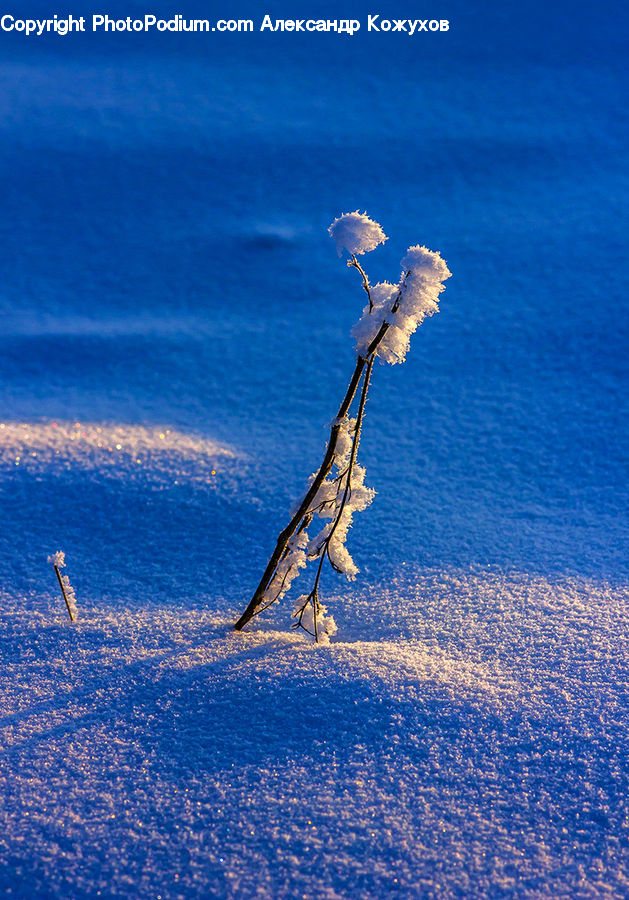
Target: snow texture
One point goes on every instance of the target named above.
(157, 453)
(356, 233)
(476, 746)
(165, 267)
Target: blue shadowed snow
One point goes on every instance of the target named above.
(166, 270)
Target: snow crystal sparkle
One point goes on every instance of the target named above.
(337, 490)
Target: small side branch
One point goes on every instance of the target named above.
(354, 264)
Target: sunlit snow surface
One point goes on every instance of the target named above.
(474, 746)
(174, 337)
(114, 450)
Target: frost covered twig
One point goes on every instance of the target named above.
(58, 561)
(303, 510)
(393, 313)
(312, 599)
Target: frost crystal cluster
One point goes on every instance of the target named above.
(402, 306)
(356, 232)
(337, 490)
(58, 561)
(337, 500)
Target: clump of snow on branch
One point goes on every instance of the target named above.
(383, 296)
(71, 596)
(356, 232)
(403, 306)
(58, 561)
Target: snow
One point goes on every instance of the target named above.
(467, 734)
(166, 270)
(110, 450)
(403, 306)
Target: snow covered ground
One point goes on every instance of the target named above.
(467, 737)
(174, 338)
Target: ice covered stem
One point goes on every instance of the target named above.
(57, 561)
(256, 604)
(312, 599)
(304, 507)
(63, 591)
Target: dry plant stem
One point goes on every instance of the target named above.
(323, 472)
(63, 591)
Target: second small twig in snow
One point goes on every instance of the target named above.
(57, 561)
